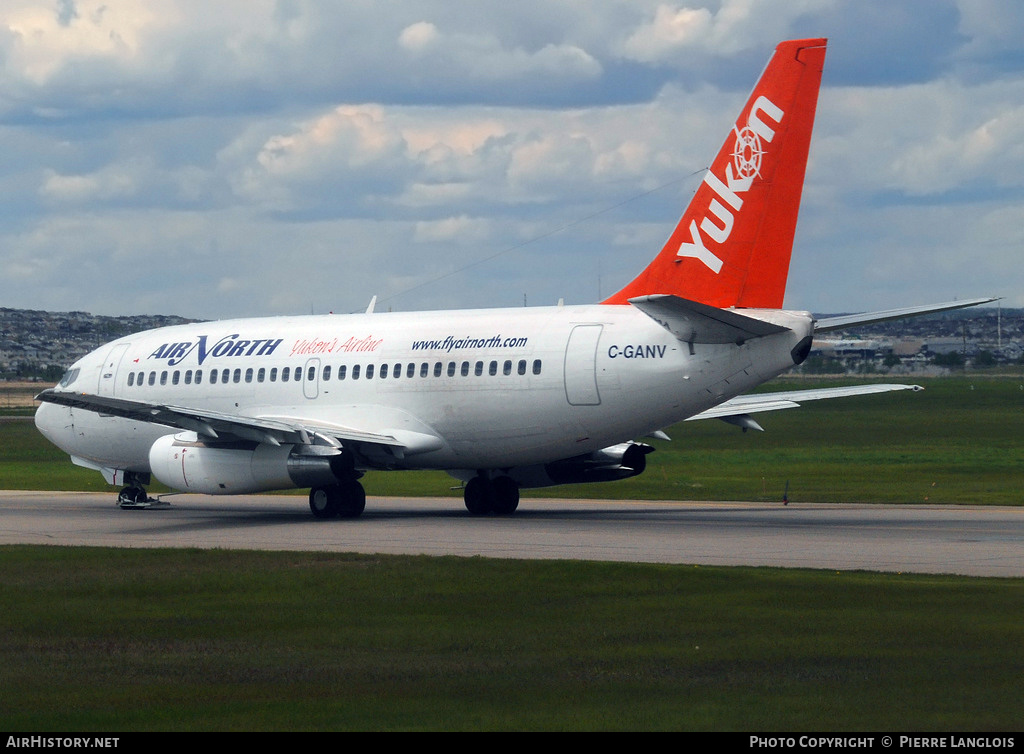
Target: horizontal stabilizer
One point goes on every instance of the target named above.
(829, 324)
(693, 322)
(742, 405)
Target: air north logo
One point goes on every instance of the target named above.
(739, 176)
(229, 345)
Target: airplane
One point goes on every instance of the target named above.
(501, 399)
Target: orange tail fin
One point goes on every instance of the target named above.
(733, 243)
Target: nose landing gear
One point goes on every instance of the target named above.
(134, 497)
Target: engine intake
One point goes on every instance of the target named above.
(185, 463)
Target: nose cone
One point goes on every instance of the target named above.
(53, 422)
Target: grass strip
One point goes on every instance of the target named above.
(100, 639)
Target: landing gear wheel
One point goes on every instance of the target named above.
(347, 500)
(353, 500)
(499, 496)
(323, 501)
(132, 497)
(478, 496)
(504, 496)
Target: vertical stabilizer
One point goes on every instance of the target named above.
(733, 244)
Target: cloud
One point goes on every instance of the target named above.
(111, 182)
(673, 33)
(923, 140)
(462, 230)
(254, 157)
(45, 41)
(670, 30)
(478, 62)
(348, 147)
(419, 37)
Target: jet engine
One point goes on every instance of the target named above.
(186, 463)
(608, 464)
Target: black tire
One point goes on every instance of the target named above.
(505, 496)
(352, 501)
(478, 496)
(132, 496)
(324, 501)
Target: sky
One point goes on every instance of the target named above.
(250, 157)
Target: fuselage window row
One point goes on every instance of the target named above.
(385, 371)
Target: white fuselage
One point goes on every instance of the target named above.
(499, 387)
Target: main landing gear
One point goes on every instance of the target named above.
(484, 495)
(344, 500)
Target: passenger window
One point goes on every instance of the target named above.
(369, 371)
(383, 371)
(355, 372)
(341, 372)
(199, 376)
(437, 369)
(261, 375)
(536, 366)
(522, 366)
(479, 369)
(327, 373)
(273, 374)
(225, 375)
(451, 368)
(311, 374)
(238, 376)
(410, 371)
(188, 376)
(131, 378)
(175, 377)
(248, 374)
(213, 376)
(152, 378)
(493, 368)
(507, 368)
(285, 374)
(465, 369)
(163, 378)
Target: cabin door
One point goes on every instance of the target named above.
(581, 366)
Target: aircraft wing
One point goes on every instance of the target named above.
(269, 429)
(829, 324)
(736, 410)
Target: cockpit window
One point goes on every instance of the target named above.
(69, 376)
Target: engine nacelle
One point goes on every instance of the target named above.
(188, 464)
(608, 464)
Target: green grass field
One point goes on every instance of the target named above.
(165, 640)
(160, 640)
